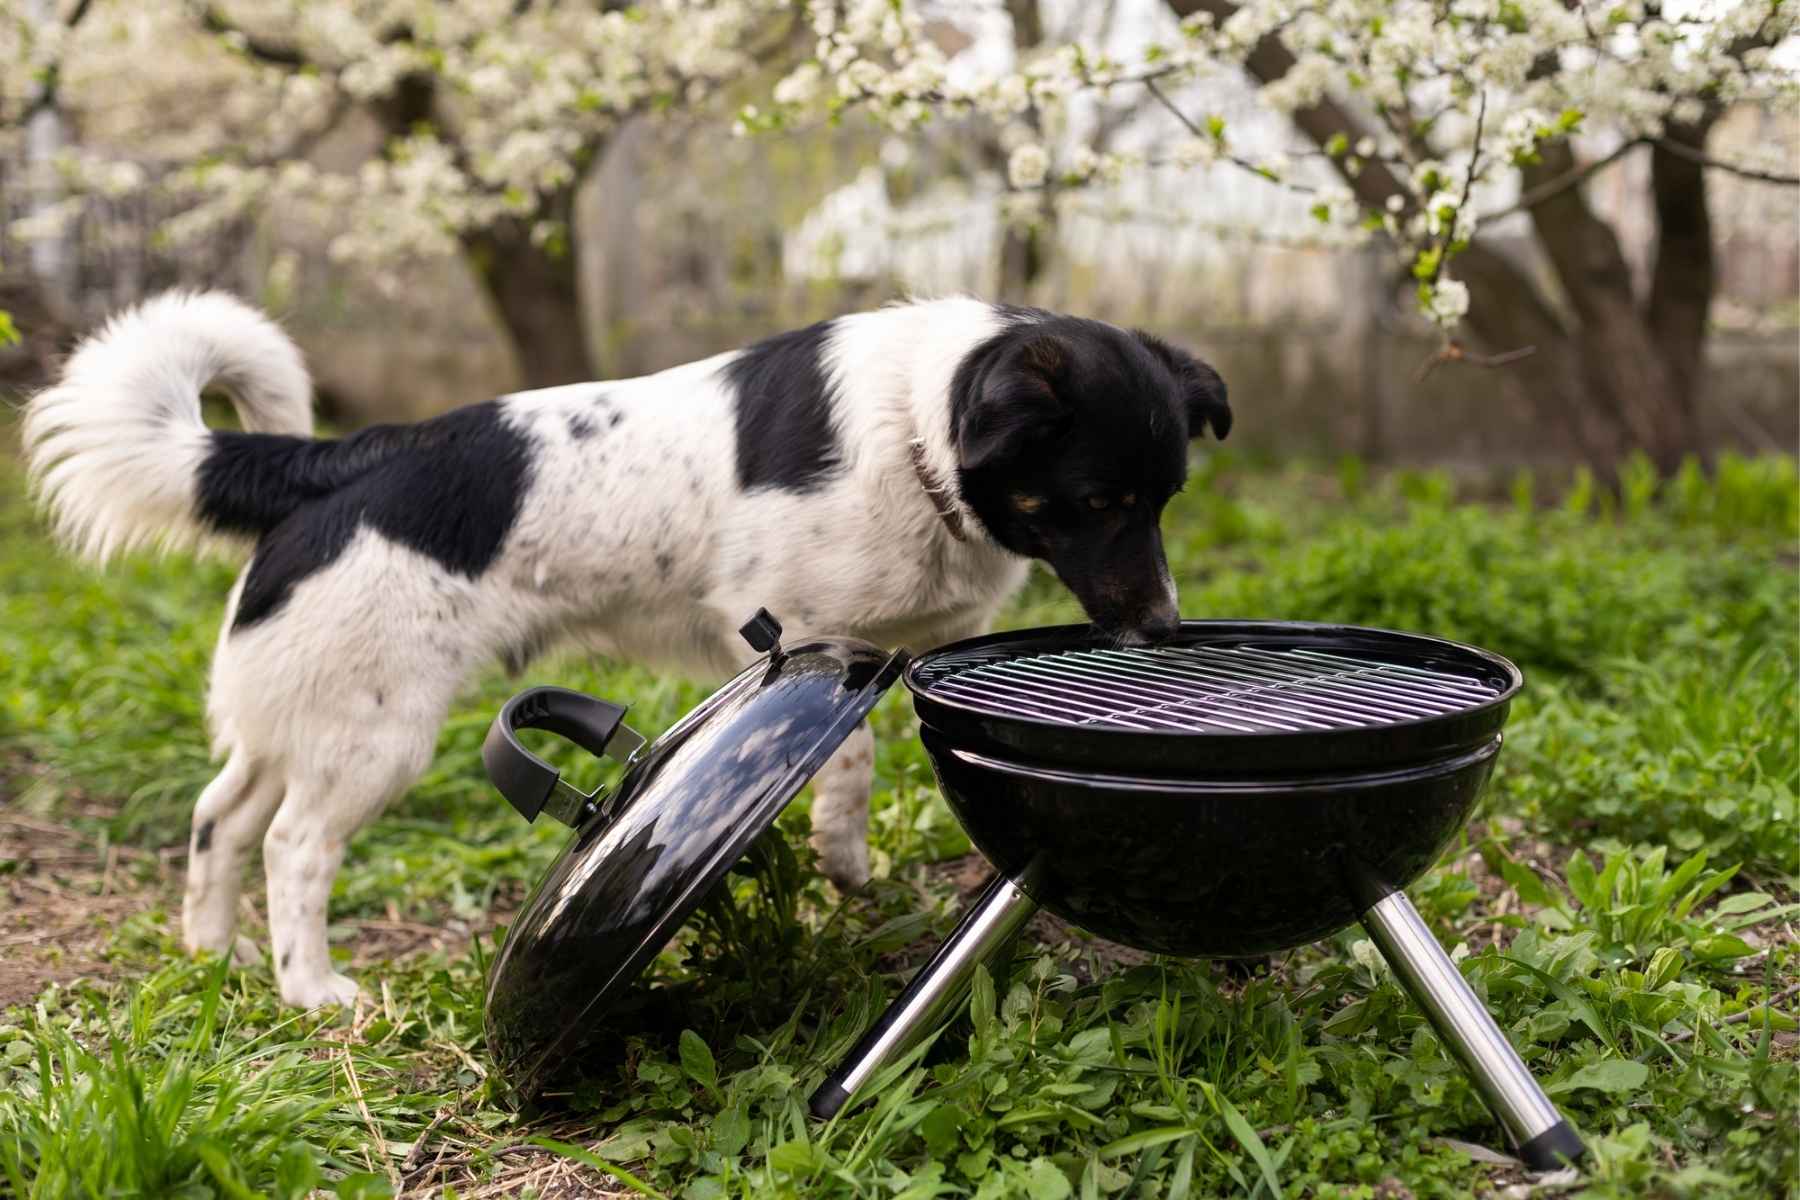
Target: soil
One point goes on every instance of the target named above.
(66, 891)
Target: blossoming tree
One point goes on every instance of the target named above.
(1429, 122)
(489, 114)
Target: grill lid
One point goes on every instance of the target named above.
(1223, 696)
(644, 857)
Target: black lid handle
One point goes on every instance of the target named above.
(763, 632)
(528, 782)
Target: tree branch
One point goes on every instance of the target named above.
(1449, 234)
(1268, 61)
(1693, 155)
(1243, 163)
(1533, 197)
(261, 49)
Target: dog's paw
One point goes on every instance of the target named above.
(844, 863)
(320, 991)
(244, 951)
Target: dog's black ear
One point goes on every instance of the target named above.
(1016, 404)
(1202, 388)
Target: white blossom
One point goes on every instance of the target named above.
(1448, 301)
(1028, 165)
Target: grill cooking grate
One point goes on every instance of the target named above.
(1213, 689)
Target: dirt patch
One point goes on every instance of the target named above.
(452, 1153)
(66, 894)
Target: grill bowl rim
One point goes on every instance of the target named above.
(971, 724)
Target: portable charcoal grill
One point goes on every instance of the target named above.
(1247, 787)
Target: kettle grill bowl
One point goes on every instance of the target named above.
(1248, 787)
(1208, 868)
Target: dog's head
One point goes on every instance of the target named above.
(1071, 436)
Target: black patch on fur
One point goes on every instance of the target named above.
(663, 563)
(286, 956)
(612, 422)
(448, 488)
(203, 838)
(785, 437)
(580, 428)
(379, 699)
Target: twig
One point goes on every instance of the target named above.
(1697, 156)
(1449, 235)
(459, 1052)
(1563, 182)
(1738, 1017)
(1453, 351)
(1243, 163)
(387, 1160)
(411, 1161)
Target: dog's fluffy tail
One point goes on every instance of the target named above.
(116, 450)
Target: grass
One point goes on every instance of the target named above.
(1623, 902)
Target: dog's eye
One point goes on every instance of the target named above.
(1129, 499)
(1028, 504)
(1096, 501)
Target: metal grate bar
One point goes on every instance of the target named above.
(1071, 711)
(1420, 678)
(1349, 709)
(1355, 689)
(1366, 679)
(1149, 691)
(1232, 690)
(1237, 689)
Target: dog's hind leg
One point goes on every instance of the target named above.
(328, 799)
(231, 814)
(840, 810)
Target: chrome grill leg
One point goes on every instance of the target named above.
(934, 993)
(1540, 1134)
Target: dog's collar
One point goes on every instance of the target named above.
(942, 495)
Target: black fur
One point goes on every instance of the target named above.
(580, 428)
(1202, 388)
(1072, 435)
(785, 434)
(203, 838)
(449, 488)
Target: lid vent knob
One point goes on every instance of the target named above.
(763, 632)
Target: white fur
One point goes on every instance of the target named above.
(635, 541)
(114, 448)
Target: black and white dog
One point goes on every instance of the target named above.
(886, 475)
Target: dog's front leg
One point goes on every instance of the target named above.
(840, 811)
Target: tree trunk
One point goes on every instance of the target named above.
(535, 289)
(1684, 277)
(1024, 249)
(536, 295)
(1616, 374)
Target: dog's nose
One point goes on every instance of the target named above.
(1159, 625)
